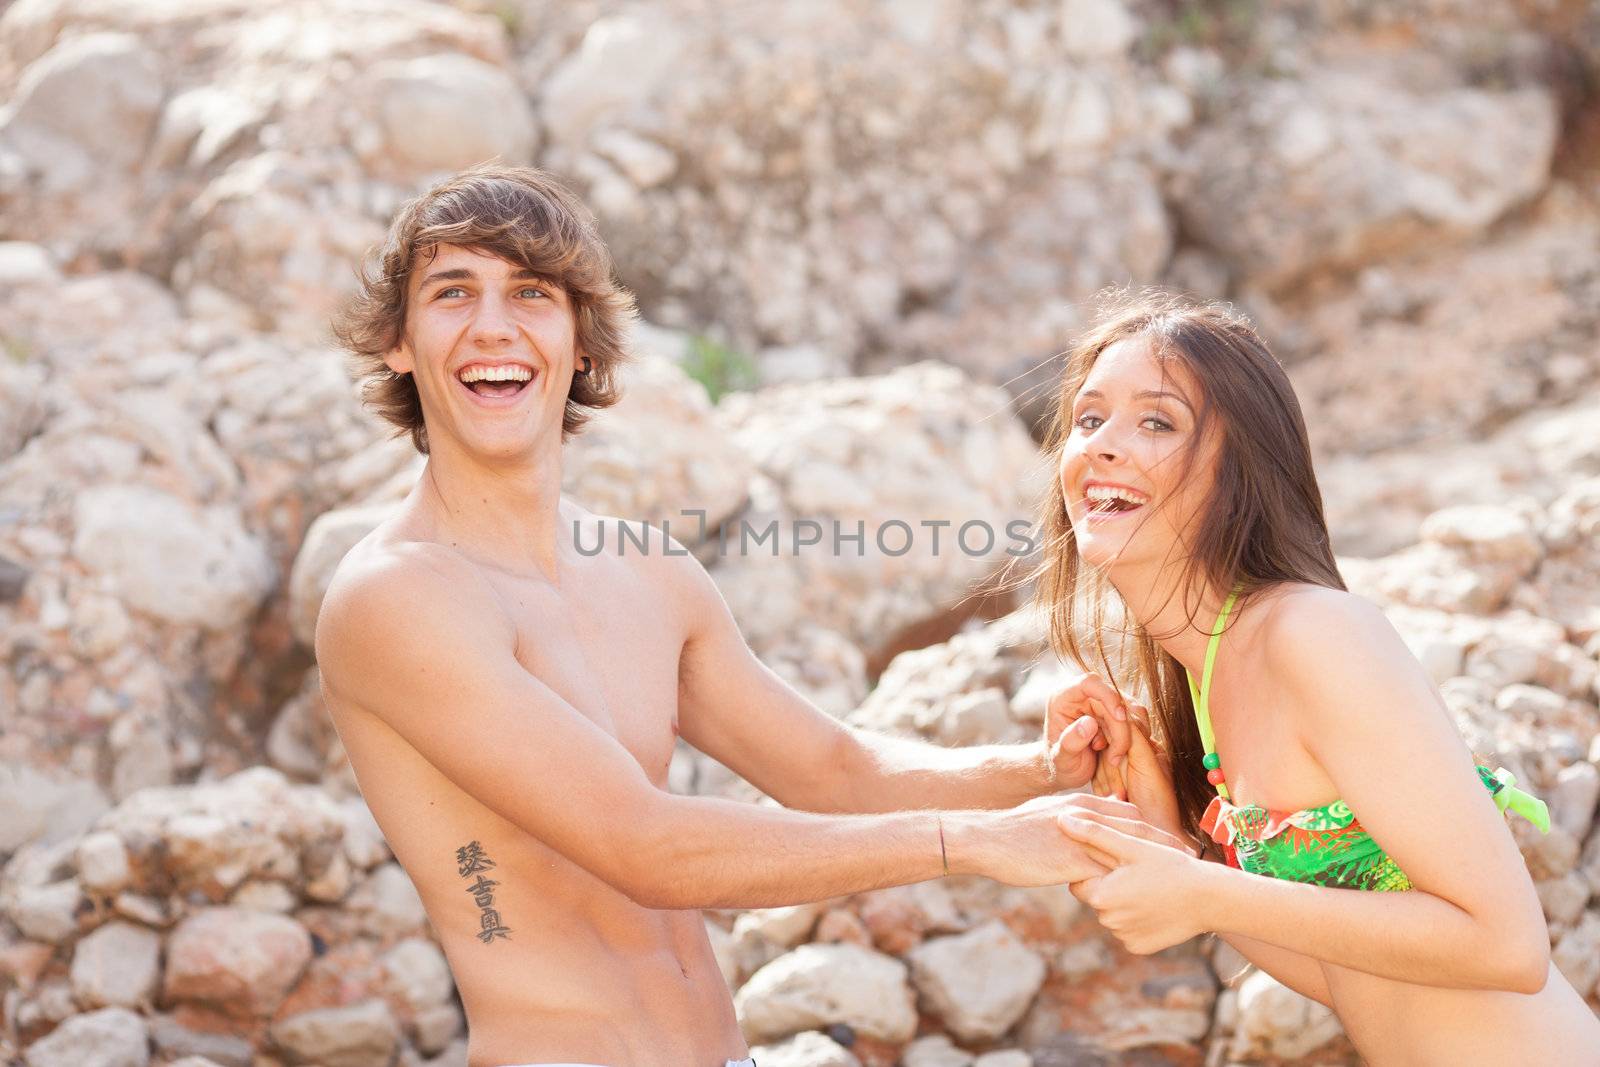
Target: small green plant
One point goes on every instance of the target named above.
(510, 14)
(718, 368)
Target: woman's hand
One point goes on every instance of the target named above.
(1127, 765)
(1146, 900)
(1148, 777)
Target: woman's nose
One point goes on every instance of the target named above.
(1106, 443)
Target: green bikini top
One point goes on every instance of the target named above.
(1324, 845)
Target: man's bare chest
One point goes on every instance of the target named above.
(610, 647)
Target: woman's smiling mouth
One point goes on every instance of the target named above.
(1106, 500)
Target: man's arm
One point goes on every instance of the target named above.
(735, 709)
(420, 643)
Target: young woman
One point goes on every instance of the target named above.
(1302, 737)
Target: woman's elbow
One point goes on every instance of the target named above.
(1520, 962)
(1530, 969)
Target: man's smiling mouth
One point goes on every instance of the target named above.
(498, 380)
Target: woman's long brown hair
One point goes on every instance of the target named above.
(1262, 525)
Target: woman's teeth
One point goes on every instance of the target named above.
(1105, 498)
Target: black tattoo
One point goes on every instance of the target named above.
(470, 860)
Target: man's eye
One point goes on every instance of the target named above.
(1088, 422)
(536, 292)
(454, 290)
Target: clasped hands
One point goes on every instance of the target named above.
(1150, 881)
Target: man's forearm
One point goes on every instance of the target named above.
(704, 852)
(877, 772)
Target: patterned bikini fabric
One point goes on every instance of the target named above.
(1324, 846)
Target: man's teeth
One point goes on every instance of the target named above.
(511, 372)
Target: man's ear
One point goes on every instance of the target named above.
(400, 358)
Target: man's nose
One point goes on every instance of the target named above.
(491, 324)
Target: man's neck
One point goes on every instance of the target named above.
(508, 512)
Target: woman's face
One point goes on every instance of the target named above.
(1131, 492)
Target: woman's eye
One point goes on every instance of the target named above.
(1088, 422)
(1159, 425)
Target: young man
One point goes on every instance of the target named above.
(510, 705)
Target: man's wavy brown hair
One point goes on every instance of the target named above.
(525, 217)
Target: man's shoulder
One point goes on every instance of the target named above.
(385, 582)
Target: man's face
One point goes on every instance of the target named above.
(491, 348)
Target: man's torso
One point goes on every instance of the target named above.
(552, 963)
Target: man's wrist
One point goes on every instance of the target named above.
(962, 843)
(1047, 780)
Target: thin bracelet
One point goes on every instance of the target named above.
(943, 856)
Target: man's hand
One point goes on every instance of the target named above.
(1022, 846)
(1086, 735)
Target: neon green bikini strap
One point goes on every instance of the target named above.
(1202, 693)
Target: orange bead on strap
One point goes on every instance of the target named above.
(1215, 776)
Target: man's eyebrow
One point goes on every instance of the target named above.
(458, 274)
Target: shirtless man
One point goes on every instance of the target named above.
(510, 705)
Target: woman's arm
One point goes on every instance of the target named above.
(1367, 713)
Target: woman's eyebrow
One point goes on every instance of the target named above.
(1157, 394)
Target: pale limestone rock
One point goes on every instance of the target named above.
(887, 458)
(45, 912)
(273, 897)
(415, 972)
(329, 538)
(111, 1037)
(240, 961)
(1095, 28)
(727, 957)
(216, 835)
(980, 982)
(118, 965)
(358, 1035)
(103, 862)
(1577, 792)
(81, 114)
(1274, 1020)
(1375, 159)
(658, 453)
(1577, 954)
(785, 927)
(387, 902)
(179, 564)
(1008, 1057)
(44, 806)
(818, 985)
(810, 1049)
(442, 113)
(623, 60)
(1563, 899)
(935, 1050)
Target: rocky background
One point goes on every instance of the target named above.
(859, 233)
